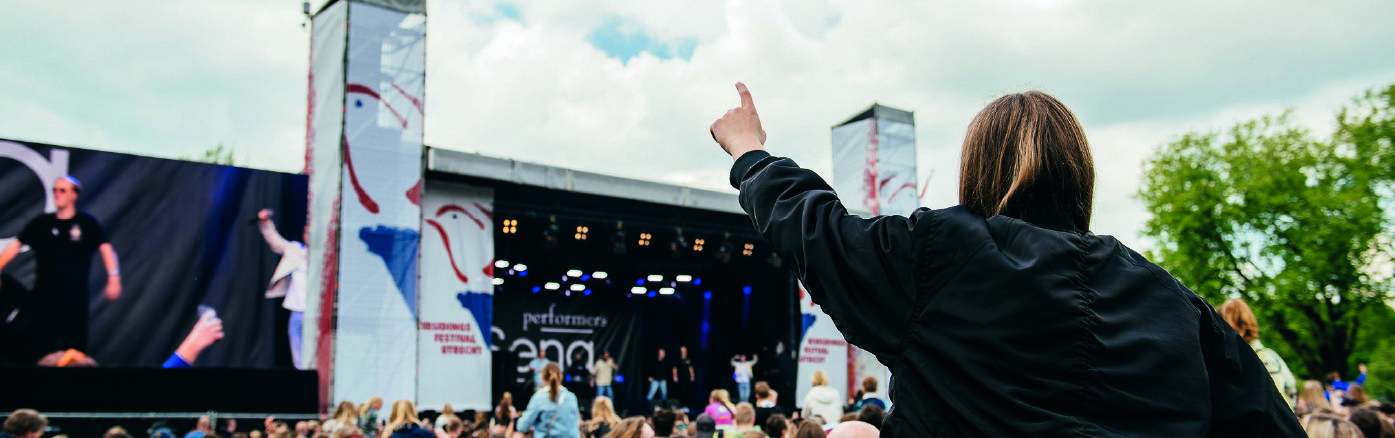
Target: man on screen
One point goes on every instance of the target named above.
(63, 243)
(287, 281)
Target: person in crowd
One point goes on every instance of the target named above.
(314, 426)
(202, 427)
(536, 366)
(288, 280)
(854, 429)
(659, 376)
(63, 243)
(552, 411)
(755, 434)
(349, 430)
(809, 429)
(1312, 398)
(368, 416)
(869, 395)
(504, 416)
(302, 429)
(603, 418)
(850, 416)
(603, 375)
(1370, 423)
(704, 426)
(777, 426)
(206, 331)
(344, 415)
(24, 423)
(452, 428)
(744, 370)
(1061, 300)
(744, 419)
(1238, 314)
(1357, 398)
(403, 422)
(633, 427)
(719, 407)
(665, 423)
(447, 411)
(685, 376)
(116, 432)
(871, 414)
(1335, 379)
(823, 401)
(481, 426)
(1329, 426)
(767, 402)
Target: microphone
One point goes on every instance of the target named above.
(270, 214)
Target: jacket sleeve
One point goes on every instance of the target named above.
(858, 270)
(273, 238)
(1244, 399)
(530, 414)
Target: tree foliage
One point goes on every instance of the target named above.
(216, 155)
(1300, 227)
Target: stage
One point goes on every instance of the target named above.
(164, 393)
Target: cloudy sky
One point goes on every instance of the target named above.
(628, 87)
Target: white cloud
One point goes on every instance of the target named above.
(172, 79)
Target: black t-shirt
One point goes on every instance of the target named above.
(662, 370)
(684, 365)
(63, 251)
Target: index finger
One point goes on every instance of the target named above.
(746, 101)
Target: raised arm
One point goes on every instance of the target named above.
(113, 290)
(9, 253)
(273, 238)
(859, 270)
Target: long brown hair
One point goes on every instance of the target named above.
(504, 410)
(552, 378)
(1025, 156)
(346, 412)
(632, 427)
(1238, 314)
(808, 429)
(403, 412)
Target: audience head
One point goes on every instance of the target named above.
(1026, 157)
(373, 404)
(403, 412)
(1356, 396)
(25, 423)
(809, 429)
(776, 425)
(664, 421)
(302, 428)
(552, 378)
(603, 411)
(1238, 314)
(345, 412)
(872, 414)
(505, 404)
(705, 426)
(853, 429)
(754, 434)
(1367, 421)
(116, 432)
(1329, 426)
(869, 384)
(851, 416)
(745, 414)
(633, 427)
(453, 427)
(762, 390)
(820, 378)
(1313, 395)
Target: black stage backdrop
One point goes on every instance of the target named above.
(183, 236)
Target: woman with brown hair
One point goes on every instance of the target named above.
(403, 422)
(1005, 315)
(633, 427)
(344, 415)
(504, 415)
(1238, 315)
(1312, 399)
(809, 429)
(553, 411)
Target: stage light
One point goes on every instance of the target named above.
(498, 281)
(666, 290)
(536, 289)
(586, 292)
(639, 282)
(550, 233)
(697, 244)
(581, 231)
(651, 294)
(746, 290)
(697, 282)
(574, 273)
(707, 295)
(656, 277)
(748, 250)
(599, 275)
(578, 287)
(501, 264)
(644, 239)
(552, 286)
(617, 240)
(724, 251)
(510, 226)
(684, 278)
(619, 378)
(585, 278)
(637, 290)
(520, 267)
(522, 273)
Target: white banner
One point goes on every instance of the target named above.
(896, 168)
(457, 300)
(821, 347)
(874, 167)
(375, 349)
(854, 167)
(323, 135)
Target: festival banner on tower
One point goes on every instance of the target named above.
(457, 300)
(375, 353)
(821, 347)
(324, 124)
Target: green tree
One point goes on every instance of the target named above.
(1296, 225)
(216, 155)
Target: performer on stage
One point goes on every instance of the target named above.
(684, 375)
(603, 375)
(63, 243)
(659, 377)
(287, 281)
(744, 372)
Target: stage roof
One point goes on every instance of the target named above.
(556, 178)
